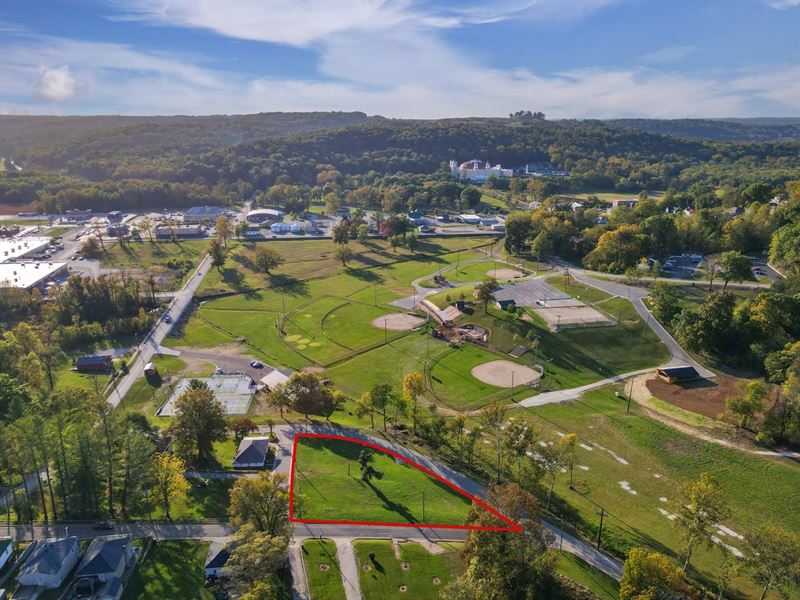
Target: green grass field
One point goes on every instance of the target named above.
(322, 568)
(424, 578)
(171, 262)
(653, 460)
(331, 494)
(171, 569)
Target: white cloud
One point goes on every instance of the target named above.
(668, 54)
(382, 58)
(55, 85)
(782, 4)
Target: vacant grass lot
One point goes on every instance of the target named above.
(322, 567)
(172, 569)
(169, 262)
(333, 494)
(385, 578)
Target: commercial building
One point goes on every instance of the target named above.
(199, 214)
(234, 392)
(14, 249)
(261, 215)
(626, 202)
(180, 232)
(478, 170)
(27, 275)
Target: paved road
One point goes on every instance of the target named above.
(157, 530)
(152, 342)
(227, 362)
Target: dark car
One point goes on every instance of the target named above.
(103, 526)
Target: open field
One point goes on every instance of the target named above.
(609, 196)
(314, 259)
(172, 569)
(327, 475)
(621, 454)
(322, 567)
(385, 578)
(168, 262)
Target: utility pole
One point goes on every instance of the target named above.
(630, 391)
(512, 385)
(423, 506)
(600, 531)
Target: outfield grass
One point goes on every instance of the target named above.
(385, 574)
(172, 569)
(597, 582)
(453, 383)
(386, 364)
(321, 475)
(323, 584)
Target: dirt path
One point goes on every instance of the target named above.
(641, 395)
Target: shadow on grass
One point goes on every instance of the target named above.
(365, 275)
(288, 285)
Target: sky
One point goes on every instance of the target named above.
(402, 58)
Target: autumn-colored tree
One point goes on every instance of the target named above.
(261, 503)
(774, 559)
(649, 575)
(170, 482)
(224, 228)
(413, 387)
(701, 506)
(241, 427)
(267, 259)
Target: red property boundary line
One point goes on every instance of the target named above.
(512, 525)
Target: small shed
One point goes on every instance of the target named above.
(505, 304)
(678, 374)
(150, 369)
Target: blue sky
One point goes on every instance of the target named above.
(405, 58)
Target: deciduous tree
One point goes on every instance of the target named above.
(199, 421)
(170, 482)
(701, 506)
(649, 575)
(261, 503)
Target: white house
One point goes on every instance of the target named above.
(6, 550)
(478, 170)
(50, 562)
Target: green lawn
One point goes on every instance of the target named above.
(172, 569)
(654, 459)
(426, 574)
(167, 260)
(331, 494)
(322, 567)
(597, 582)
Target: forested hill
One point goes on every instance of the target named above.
(598, 155)
(54, 141)
(718, 130)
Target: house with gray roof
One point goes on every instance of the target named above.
(252, 453)
(107, 559)
(218, 555)
(50, 563)
(6, 551)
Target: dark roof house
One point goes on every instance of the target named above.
(104, 565)
(50, 562)
(94, 364)
(218, 555)
(252, 453)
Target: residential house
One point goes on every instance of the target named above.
(6, 551)
(104, 566)
(94, 364)
(50, 563)
(218, 555)
(252, 453)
